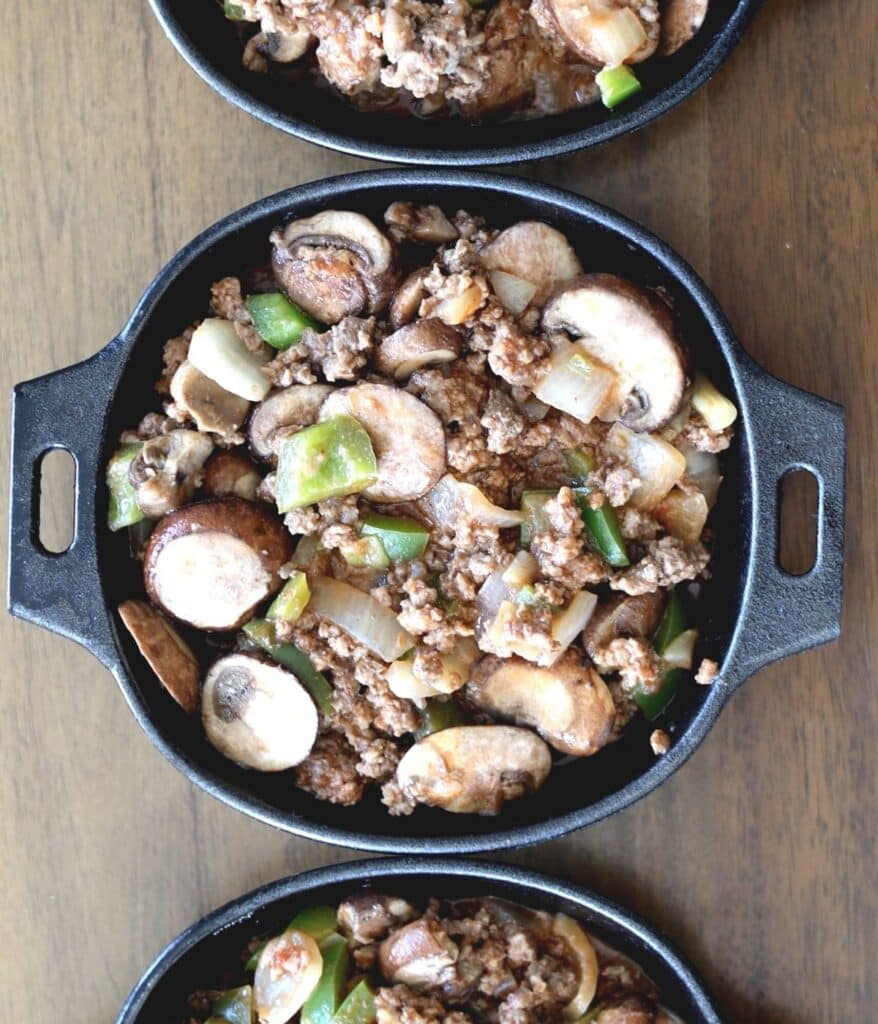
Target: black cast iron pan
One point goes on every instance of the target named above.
(752, 612)
(197, 957)
(211, 46)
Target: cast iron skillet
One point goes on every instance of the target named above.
(753, 613)
(210, 45)
(196, 958)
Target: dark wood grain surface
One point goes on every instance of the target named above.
(758, 858)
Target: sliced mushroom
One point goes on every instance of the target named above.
(258, 714)
(335, 264)
(418, 344)
(369, 916)
(623, 616)
(287, 973)
(586, 960)
(628, 1009)
(417, 954)
(283, 47)
(607, 32)
(211, 563)
(474, 769)
(408, 298)
(534, 252)
(166, 471)
(406, 434)
(211, 407)
(624, 328)
(681, 20)
(228, 474)
(426, 225)
(683, 514)
(168, 656)
(282, 414)
(568, 704)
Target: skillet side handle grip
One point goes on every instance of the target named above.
(61, 592)
(784, 614)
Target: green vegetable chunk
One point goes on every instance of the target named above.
(672, 624)
(438, 715)
(234, 12)
(617, 85)
(262, 633)
(278, 321)
(232, 1007)
(358, 1007)
(124, 510)
(403, 539)
(328, 460)
(323, 1003)
(604, 534)
(532, 504)
(291, 601)
(366, 553)
(318, 922)
(580, 463)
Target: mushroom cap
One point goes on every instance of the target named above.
(408, 298)
(165, 651)
(587, 26)
(681, 20)
(586, 960)
(534, 252)
(167, 470)
(283, 413)
(211, 407)
(257, 713)
(474, 769)
(417, 954)
(627, 330)
(211, 563)
(415, 345)
(230, 474)
(368, 916)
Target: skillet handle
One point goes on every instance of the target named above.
(784, 614)
(62, 592)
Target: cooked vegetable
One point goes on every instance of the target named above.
(617, 85)
(228, 474)
(406, 435)
(279, 323)
(216, 351)
(587, 961)
(321, 1006)
(702, 469)
(417, 955)
(167, 654)
(439, 714)
(402, 681)
(213, 409)
(452, 497)
(402, 538)
(683, 514)
(673, 623)
(457, 309)
(580, 465)
(283, 413)
(681, 19)
(257, 714)
(365, 553)
(717, 411)
(234, 1006)
(330, 459)
(368, 621)
(288, 971)
(408, 298)
(622, 615)
(367, 917)
(319, 922)
(604, 34)
(575, 383)
(291, 601)
(124, 510)
(358, 1007)
(602, 525)
(658, 465)
(167, 470)
(680, 652)
(262, 633)
(535, 253)
(422, 343)
(514, 292)
(234, 12)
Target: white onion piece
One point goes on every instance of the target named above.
(523, 569)
(567, 625)
(615, 35)
(402, 681)
(680, 652)
(492, 593)
(218, 353)
(450, 497)
(658, 465)
(368, 621)
(702, 469)
(288, 971)
(683, 514)
(717, 411)
(575, 383)
(514, 292)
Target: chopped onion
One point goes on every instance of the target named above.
(523, 569)
(680, 652)
(492, 593)
(458, 308)
(567, 625)
(514, 292)
(702, 469)
(456, 665)
(306, 551)
(402, 681)
(218, 353)
(717, 411)
(368, 621)
(615, 35)
(683, 514)
(450, 497)
(658, 465)
(575, 382)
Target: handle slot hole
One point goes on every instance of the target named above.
(57, 500)
(798, 526)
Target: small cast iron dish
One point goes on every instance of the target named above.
(752, 612)
(196, 958)
(210, 45)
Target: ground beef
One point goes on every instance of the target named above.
(290, 366)
(503, 422)
(152, 425)
(707, 672)
(342, 351)
(660, 742)
(615, 479)
(174, 354)
(634, 659)
(351, 52)
(698, 434)
(402, 1005)
(629, 1010)
(668, 562)
(457, 397)
(560, 549)
(330, 773)
(227, 302)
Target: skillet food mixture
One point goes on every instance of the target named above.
(377, 959)
(470, 58)
(423, 499)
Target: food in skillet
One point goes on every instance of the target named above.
(468, 58)
(377, 959)
(424, 503)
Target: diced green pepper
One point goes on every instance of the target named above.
(438, 715)
(232, 1007)
(617, 85)
(278, 321)
(291, 601)
(138, 536)
(318, 922)
(358, 1007)
(532, 503)
(404, 539)
(323, 1003)
(262, 633)
(124, 510)
(672, 624)
(234, 12)
(527, 597)
(328, 460)
(366, 553)
(580, 463)
(604, 534)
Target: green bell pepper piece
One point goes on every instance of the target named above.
(438, 715)
(318, 922)
(279, 323)
(328, 460)
(291, 601)
(232, 1007)
(323, 1003)
(672, 624)
(358, 1007)
(532, 503)
(604, 534)
(404, 539)
(234, 12)
(262, 633)
(366, 553)
(617, 85)
(124, 510)
(580, 463)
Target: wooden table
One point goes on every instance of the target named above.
(758, 858)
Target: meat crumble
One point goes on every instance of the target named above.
(435, 496)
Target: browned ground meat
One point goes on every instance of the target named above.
(228, 303)
(330, 771)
